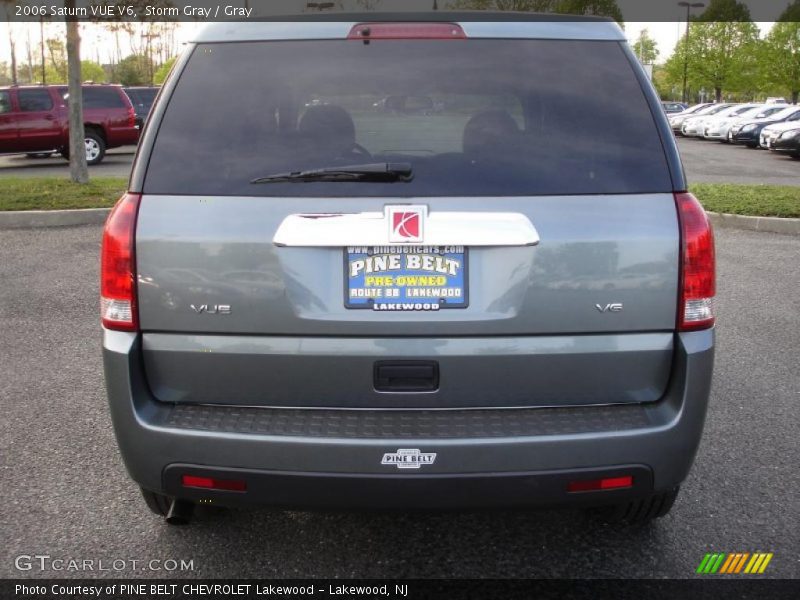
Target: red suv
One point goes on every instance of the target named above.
(35, 119)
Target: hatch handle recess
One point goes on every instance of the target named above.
(406, 376)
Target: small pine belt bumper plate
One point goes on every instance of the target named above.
(405, 278)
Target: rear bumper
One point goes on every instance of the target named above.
(318, 457)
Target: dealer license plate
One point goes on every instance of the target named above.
(405, 278)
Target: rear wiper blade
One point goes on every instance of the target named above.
(372, 172)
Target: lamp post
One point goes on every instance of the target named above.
(689, 6)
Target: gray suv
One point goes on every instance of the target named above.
(505, 300)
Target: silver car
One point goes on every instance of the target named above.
(310, 301)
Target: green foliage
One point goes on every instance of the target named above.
(56, 67)
(646, 48)
(162, 72)
(725, 10)
(132, 70)
(780, 58)
(51, 193)
(722, 56)
(607, 8)
(5, 73)
(756, 200)
(666, 89)
(514, 5)
(604, 8)
(91, 71)
(53, 75)
(792, 12)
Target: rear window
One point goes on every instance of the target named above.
(482, 117)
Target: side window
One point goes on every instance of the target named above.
(102, 97)
(34, 100)
(794, 117)
(5, 102)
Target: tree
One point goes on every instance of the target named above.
(725, 10)
(5, 78)
(514, 5)
(91, 71)
(78, 171)
(607, 8)
(163, 71)
(11, 41)
(57, 70)
(132, 70)
(603, 8)
(780, 56)
(721, 54)
(646, 48)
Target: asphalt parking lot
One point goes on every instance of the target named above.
(66, 493)
(117, 163)
(704, 162)
(713, 162)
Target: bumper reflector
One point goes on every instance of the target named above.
(608, 483)
(209, 483)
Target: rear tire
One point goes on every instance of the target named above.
(158, 503)
(95, 147)
(637, 512)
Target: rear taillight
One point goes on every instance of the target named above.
(131, 117)
(118, 266)
(406, 31)
(698, 285)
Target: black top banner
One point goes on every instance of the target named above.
(350, 10)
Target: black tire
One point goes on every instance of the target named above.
(95, 141)
(98, 146)
(637, 512)
(158, 503)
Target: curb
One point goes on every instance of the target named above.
(26, 219)
(767, 224)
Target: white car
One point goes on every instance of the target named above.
(676, 120)
(717, 126)
(771, 132)
(693, 126)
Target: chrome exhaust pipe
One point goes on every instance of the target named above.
(180, 512)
